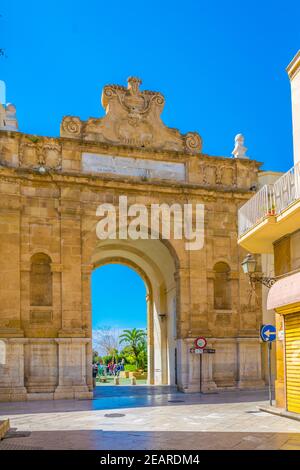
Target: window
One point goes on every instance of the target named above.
(40, 280)
(222, 290)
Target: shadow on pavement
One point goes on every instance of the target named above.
(154, 440)
(118, 397)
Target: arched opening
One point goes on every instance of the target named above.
(119, 324)
(154, 263)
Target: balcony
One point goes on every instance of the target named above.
(274, 211)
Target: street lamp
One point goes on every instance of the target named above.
(249, 264)
(249, 268)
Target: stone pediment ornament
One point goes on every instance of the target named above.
(44, 152)
(132, 117)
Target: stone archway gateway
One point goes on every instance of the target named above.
(51, 189)
(154, 263)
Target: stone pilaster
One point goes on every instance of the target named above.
(72, 368)
(12, 370)
(150, 346)
(71, 260)
(249, 363)
(86, 272)
(226, 363)
(41, 374)
(10, 319)
(183, 301)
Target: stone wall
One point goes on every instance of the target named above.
(52, 213)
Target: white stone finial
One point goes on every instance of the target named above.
(8, 117)
(2, 116)
(11, 122)
(8, 113)
(239, 150)
(2, 92)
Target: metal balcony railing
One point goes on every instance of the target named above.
(271, 199)
(287, 189)
(256, 209)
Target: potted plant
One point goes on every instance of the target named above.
(272, 210)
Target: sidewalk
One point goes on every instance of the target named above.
(149, 418)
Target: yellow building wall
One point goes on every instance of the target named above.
(282, 256)
(286, 259)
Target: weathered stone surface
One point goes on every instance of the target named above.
(122, 166)
(132, 118)
(47, 234)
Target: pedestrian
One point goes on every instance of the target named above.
(95, 373)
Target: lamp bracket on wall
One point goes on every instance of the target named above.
(249, 268)
(266, 281)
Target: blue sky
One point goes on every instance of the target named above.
(118, 298)
(221, 66)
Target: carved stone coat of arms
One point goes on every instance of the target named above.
(132, 118)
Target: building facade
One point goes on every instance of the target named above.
(270, 223)
(50, 189)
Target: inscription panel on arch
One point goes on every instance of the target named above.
(129, 166)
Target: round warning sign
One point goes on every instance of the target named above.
(200, 342)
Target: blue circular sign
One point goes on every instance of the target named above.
(268, 333)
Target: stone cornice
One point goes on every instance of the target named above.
(294, 66)
(121, 150)
(120, 184)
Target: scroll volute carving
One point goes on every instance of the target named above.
(71, 127)
(132, 117)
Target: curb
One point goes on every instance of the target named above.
(4, 427)
(280, 412)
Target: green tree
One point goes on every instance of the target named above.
(142, 355)
(127, 354)
(134, 339)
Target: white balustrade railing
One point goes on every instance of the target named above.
(256, 209)
(287, 189)
(271, 199)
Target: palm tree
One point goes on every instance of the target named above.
(142, 355)
(133, 338)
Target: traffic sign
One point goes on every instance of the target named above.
(200, 342)
(268, 333)
(199, 351)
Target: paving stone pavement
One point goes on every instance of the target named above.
(149, 418)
